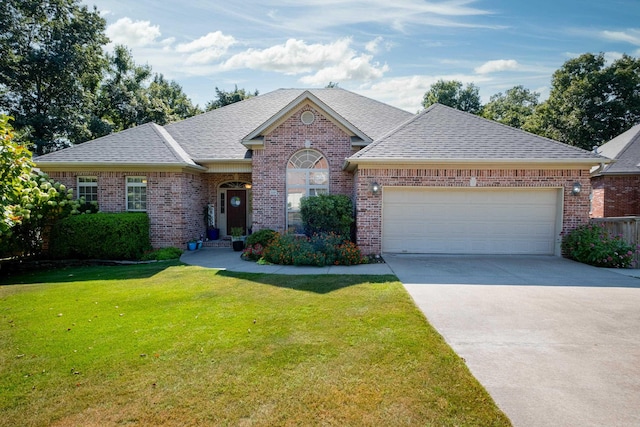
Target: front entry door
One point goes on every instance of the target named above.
(237, 210)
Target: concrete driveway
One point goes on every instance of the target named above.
(555, 342)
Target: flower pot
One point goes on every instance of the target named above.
(238, 245)
(192, 246)
(199, 244)
(213, 233)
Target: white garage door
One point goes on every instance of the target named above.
(470, 220)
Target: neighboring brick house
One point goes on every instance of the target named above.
(616, 186)
(442, 181)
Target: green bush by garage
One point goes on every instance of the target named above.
(116, 236)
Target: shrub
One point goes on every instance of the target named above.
(593, 244)
(162, 254)
(319, 250)
(253, 252)
(101, 236)
(327, 213)
(262, 237)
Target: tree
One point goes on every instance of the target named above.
(30, 200)
(131, 95)
(168, 101)
(51, 61)
(590, 102)
(452, 94)
(511, 108)
(226, 98)
(122, 102)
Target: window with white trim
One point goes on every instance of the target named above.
(307, 175)
(137, 193)
(88, 188)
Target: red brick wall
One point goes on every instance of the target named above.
(369, 206)
(616, 196)
(270, 163)
(175, 201)
(597, 197)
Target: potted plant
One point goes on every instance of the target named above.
(213, 233)
(192, 245)
(237, 238)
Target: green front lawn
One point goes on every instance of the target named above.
(168, 344)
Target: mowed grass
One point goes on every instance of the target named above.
(168, 344)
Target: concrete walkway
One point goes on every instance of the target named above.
(227, 259)
(555, 342)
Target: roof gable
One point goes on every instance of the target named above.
(624, 149)
(218, 135)
(253, 138)
(446, 135)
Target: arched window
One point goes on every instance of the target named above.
(307, 175)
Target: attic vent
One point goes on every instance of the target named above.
(307, 117)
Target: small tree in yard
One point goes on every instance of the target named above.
(327, 213)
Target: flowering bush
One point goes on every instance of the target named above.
(593, 244)
(319, 250)
(253, 252)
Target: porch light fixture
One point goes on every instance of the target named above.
(577, 187)
(375, 187)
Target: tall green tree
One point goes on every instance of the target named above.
(226, 98)
(131, 95)
(51, 60)
(453, 94)
(513, 107)
(590, 102)
(122, 101)
(169, 102)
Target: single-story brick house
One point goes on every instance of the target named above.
(616, 186)
(441, 181)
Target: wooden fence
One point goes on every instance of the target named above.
(628, 227)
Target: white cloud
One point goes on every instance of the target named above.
(335, 61)
(374, 45)
(357, 68)
(497, 65)
(293, 15)
(407, 92)
(138, 33)
(631, 36)
(207, 48)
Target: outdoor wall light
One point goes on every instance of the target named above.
(375, 187)
(577, 187)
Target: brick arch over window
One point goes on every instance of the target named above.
(307, 175)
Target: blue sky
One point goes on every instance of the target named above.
(389, 50)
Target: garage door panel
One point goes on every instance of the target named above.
(492, 221)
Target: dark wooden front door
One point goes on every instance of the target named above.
(237, 210)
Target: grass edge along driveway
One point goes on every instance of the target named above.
(169, 344)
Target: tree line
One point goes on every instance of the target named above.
(589, 104)
(61, 88)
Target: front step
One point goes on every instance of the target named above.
(220, 243)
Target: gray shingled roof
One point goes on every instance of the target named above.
(442, 133)
(625, 150)
(148, 143)
(217, 134)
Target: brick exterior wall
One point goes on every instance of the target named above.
(175, 201)
(270, 164)
(615, 196)
(369, 206)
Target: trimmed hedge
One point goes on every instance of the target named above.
(101, 236)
